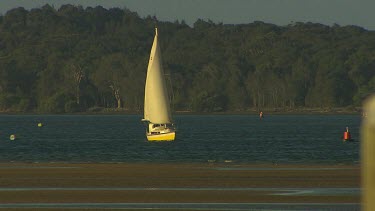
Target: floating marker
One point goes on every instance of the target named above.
(40, 124)
(347, 136)
(12, 137)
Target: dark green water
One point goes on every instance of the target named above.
(200, 138)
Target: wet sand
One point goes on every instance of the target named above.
(45, 183)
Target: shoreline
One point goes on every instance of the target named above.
(225, 163)
(209, 162)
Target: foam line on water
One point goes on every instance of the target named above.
(275, 191)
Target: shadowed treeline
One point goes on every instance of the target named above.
(88, 59)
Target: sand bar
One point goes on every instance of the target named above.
(47, 183)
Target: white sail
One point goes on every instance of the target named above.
(156, 107)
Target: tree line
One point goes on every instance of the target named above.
(75, 59)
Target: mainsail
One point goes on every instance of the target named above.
(156, 107)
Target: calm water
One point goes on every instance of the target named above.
(222, 138)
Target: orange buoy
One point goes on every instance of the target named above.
(347, 136)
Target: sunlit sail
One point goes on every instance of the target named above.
(157, 113)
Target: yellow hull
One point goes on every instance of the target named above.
(161, 137)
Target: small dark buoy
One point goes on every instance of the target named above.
(347, 136)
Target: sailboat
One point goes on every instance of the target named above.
(157, 112)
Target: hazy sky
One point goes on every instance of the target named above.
(280, 12)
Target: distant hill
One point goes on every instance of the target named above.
(75, 59)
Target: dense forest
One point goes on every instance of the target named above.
(75, 59)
